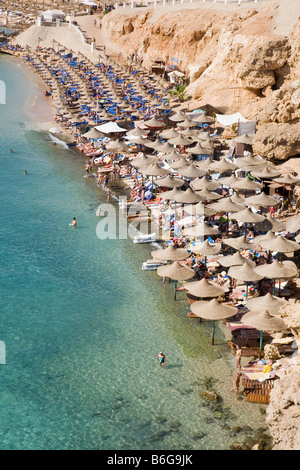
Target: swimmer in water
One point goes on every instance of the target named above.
(25, 172)
(74, 222)
(161, 358)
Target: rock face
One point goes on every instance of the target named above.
(234, 58)
(277, 141)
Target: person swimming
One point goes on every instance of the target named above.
(161, 358)
(74, 222)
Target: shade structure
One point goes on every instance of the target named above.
(288, 180)
(188, 122)
(262, 320)
(190, 171)
(249, 162)
(170, 254)
(238, 199)
(164, 148)
(247, 216)
(271, 224)
(206, 248)
(137, 131)
(207, 196)
(187, 197)
(213, 310)
(117, 145)
(176, 271)
(228, 180)
(246, 139)
(293, 224)
(202, 210)
(246, 184)
(268, 302)
(180, 140)
(226, 205)
(278, 270)
(239, 243)
(173, 155)
(280, 244)
(93, 134)
(203, 183)
(143, 161)
(169, 182)
(110, 127)
(245, 273)
(154, 123)
(222, 166)
(266, 173)
(169, 133)
(234, 260)
(198, 149)
(181, 163)
(153, 170)
(201, 230)
(203, 118)
(178, 117)
(262, 200)
(204, 289)
(204, 164)
(169, 195)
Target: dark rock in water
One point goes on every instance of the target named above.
(199, 435)
(161, 419)
(236, 429)
(209, 395)
(174, 424)
(157, 436)
(96, 415)
(239, 446)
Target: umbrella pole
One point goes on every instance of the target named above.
(175, 290)
(213, 333)
(260, 343)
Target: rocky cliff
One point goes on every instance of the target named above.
(236, 59)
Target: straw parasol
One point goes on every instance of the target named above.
(190, 171)
(143, 161)
(206, 248)
(173, 155)
(181, 163)
(239, 243)
(262, 200)
(208, 196)
(246, 184)
(293, 224)
(202, 183)
(188, 122)
(198, 149)
(246, 139)
(222, 166)
(154, 123)
(262, 320)
(202, 210)
(177, 272)
(202, 229)
(154, 170)
(266, 302)
(288, 180)
(204, 289)
(169, 133)
(279, 243)
(180, 140)
(245, 273)
(187, 197)
(247, 216)
(170, 254)
(93, 134)
(178, 117)
(169, 182)
(278, 270)
(235, 260)
(169, 195)
(226, 205)
(204, 164)
(213, 310)
(266, 173)
(203, 118)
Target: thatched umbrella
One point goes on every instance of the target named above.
(202, 210)
(202, 229)
(187, 197)
(169, 182)
(226, 205)
(208, 196)
(222, 165)
(174, 156)
(178, 117)
(190, 171)
(213, 310)
(154, 123)
(143, 161)
(171, 254)
(239, 243)
(246, 184)
(262, 200)
(266, 302)
(180, 140)
(153, 170)
(288, 180)
(207, 249)
(203, 183)
(204, 289)
(169, 195)
(177, 272)
(246, 139)
(204, 164)
(262, 320)
(169, 133)
(266, 173)
(235, 260)
(181, 163)
(245, 273)
(292, 225)
(203, 118)
(198, 149)
(278, 270)
(279, 243)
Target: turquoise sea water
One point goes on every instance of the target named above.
(82, 323)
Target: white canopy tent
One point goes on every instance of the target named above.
(109, 127)
(53, 15)
(230, 119)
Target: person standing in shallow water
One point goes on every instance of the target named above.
(161, 358)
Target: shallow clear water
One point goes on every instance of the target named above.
(82, 323)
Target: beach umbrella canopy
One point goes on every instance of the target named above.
(153, 170)
(262, 320)
(169, 195)
(239, 243)
(169, 182)
(117, 145)
(222, 166)
(249, 161)
(206, 248)
(279, 243)
(226, 205)
(173, 155)
(202, 183)
(202, 229)
(268, 302)
(204, 289)
(245, 272)
(228, 180)
(278, 270)
(188, 122)
(190, 171)
(262, 200)
(213, 310)
(246, 139)
(137, 131)
(143, 161)
(235, 260)
(202, 210)
(187, 197)
(170, 254)
(246, 215)
(154, 123)
(204, 164)
(169, 133)
(180, 140)
(293, 224)
(181, 163)
(176, 271)
(238, 199)
(178, 117)
(266, 173)
(246, 184)
(198, 149)
(208, 196)
(288, 180)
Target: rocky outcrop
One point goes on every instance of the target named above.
(277, 141)
(234, 58)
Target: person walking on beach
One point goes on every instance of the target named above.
(238, 356)
(161, 358)
(237, 379)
